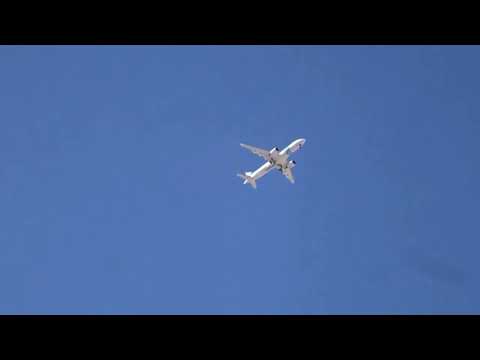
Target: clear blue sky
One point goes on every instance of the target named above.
(120, 195)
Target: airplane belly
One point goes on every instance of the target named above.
(262, 170)
(282, 161)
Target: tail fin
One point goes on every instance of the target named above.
(248, 179)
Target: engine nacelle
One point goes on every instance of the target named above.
(291, 164)
(275, 150)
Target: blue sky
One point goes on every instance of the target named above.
(120, 194)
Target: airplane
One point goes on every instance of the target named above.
(276, 159)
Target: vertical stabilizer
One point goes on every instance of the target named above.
(248, 179)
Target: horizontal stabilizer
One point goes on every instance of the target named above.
(248, 179)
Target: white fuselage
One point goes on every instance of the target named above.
(279, 161)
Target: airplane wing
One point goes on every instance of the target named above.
(288, 173)
(257, 151)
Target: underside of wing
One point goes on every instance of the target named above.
(265, 154)
(289, 175)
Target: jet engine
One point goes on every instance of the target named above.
(291, 164)
(275, 150)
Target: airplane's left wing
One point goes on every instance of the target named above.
(257, 151)
(288, 173)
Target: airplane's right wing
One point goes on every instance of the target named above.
(257, 151)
